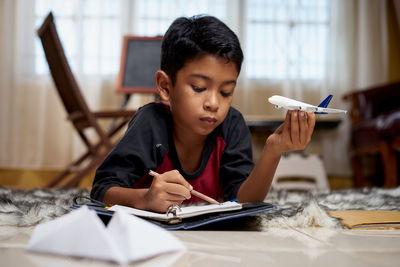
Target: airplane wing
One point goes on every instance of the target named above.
(331, 110)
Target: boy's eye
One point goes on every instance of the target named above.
(198, 89)
(226, 94)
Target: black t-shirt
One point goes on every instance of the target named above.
(148, 145)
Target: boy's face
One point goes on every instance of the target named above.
(202, 94)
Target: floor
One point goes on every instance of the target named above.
(26, 179)
(274, 247)
(284, 246)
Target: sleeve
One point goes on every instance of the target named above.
(132, 156)
(237, 158)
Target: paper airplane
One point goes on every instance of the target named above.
(291, 104)
(81, 233)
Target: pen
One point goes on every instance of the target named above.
(193, 192)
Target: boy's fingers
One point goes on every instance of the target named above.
(294, 128)
(175, 184)
(177, 190)
(175, 177)
(286, 125)
(280, 128)
(303, 127)
(175, 198)
(311, 124)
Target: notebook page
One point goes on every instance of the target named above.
(190, 211)
(141, 213)
(186, 212)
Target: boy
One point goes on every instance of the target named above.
(197, 141)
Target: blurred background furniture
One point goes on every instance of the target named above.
(375, 130)
(81, 117)
(140, 60)
(300, 172)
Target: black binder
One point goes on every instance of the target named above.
(192, 222)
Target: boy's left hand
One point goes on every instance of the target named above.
(294, 134)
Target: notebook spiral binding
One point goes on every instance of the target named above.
(172, 210)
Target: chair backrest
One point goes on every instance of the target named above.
(67, 87)
(368, 103)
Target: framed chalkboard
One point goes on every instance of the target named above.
(140, 60)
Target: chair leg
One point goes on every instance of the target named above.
(59, 177)
(95, 162)
(77, 178)
(359, 179)
(389, 161)
(68, 170)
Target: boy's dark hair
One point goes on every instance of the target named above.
(187, 38)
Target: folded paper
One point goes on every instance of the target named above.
(81, 233)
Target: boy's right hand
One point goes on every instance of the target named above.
(167, 189)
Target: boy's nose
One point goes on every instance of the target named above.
(211, 102)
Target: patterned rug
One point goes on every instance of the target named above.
(19, 208)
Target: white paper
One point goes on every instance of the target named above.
(185, 212)
(81, 233)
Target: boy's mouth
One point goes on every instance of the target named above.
(209, 120)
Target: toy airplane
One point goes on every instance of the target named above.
(291, 104)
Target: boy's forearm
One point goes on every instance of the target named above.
(259, 181)
(125, 196)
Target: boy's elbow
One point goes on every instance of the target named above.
(246, 198)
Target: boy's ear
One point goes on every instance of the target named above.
(164, 85)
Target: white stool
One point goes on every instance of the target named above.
(297, 172)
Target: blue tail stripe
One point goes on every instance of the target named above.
(325, 102)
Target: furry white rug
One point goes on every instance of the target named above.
(20, 208)
(305, 209)
(27, 208)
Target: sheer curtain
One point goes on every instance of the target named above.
(355, 57)
(286, 47)
(358, 59)
(34, 132)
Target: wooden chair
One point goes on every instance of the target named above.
(375, 130)
(78, 111)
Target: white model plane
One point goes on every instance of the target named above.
(291, 104)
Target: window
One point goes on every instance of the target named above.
(89, 31)
(287, 39)
(157, 15)
(284, 39)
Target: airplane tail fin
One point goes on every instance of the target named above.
(325, 102)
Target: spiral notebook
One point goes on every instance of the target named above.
(186, 217)
(179, 213)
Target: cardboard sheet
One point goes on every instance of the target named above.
(368, 219)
